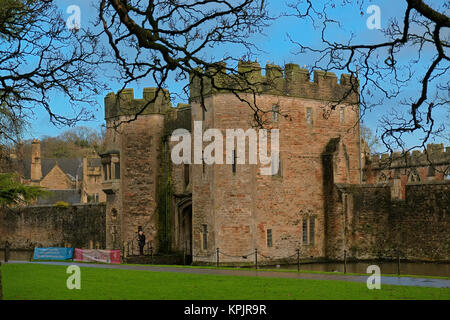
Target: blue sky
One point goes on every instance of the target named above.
(277, 49)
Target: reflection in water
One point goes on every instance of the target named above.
(406, 268)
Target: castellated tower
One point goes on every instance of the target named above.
(235, 208)
(130, 165)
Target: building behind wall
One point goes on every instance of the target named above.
(72, 180)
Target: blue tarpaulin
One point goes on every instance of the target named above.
(53, 253)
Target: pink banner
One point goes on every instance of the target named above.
(96, 255)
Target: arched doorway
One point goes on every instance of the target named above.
(185, 229)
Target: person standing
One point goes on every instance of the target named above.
(141, 242)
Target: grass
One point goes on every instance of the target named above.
(33, 281)
(262, 268)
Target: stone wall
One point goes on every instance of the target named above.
(45, 226)
(377, 225)
(433, 164)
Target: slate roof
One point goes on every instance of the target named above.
(70, 166)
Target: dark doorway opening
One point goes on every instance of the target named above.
(185, 233)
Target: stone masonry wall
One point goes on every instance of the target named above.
(140, 161)
(417, 227)
(45, 226)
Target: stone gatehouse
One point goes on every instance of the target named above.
(328, 196)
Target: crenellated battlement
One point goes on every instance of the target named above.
(177, 118)
(292, 81)
(125, 104)
(435, 153)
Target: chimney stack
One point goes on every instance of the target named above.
(36, 168)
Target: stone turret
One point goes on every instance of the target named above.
(294, 81)
(125, 104)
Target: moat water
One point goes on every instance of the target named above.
(406, 268)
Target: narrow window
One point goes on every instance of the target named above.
(186, 175)
(269, 237)
(276, 170)
(109, 170)
(117, 170)
(205, 237)
(275, 112)
(203, 163)
(308, 115)
(305, 231)
(233, 165)
(105, 172)
(312, 221)
(114, 213)
(279, 166)
(341, 115)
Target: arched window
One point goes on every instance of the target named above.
(308, 229)
(382, 179)
(413, 176)
(114, 214)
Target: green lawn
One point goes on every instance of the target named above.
(26, 281)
